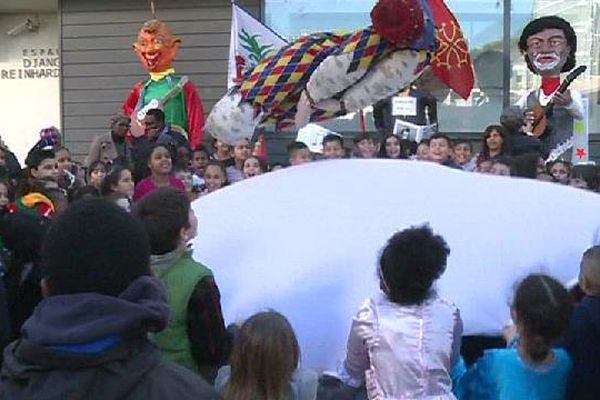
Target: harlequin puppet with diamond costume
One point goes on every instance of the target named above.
(156, 48)
(324, 75)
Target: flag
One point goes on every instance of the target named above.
(452, 61)
(251, 41)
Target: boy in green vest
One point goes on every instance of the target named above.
(195, 336)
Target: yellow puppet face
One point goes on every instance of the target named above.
(156, 46)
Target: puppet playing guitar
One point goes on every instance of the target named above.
(540, 125)
(549, 45)
(137, 117)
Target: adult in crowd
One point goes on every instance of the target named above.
(514, 124)
(156, 131)
(111, 145)
(88, 338)
(495, 143)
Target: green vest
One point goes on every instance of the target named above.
(175, 113)
(180, 278)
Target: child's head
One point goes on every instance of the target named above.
(253, 166)
(42, 164)
(222, 149)
(199, 159)
(541, 312)
(391, 147)
(168, 218)
(365, 145)
(275, 166)
(181, 172)
(118, 180)
(241, 150)
(525, 165)
(500, 166)
(215, 176)
(63, 160)
(589, 272)
(298, 153)
(333, 146)
(96, 174)
(409, 264)
(463, 152)
(584, 177)
(94, 247)
(423, 150)
(159, 160)
(560, 170)
(264, 357)
(82, 193)
(440, 148)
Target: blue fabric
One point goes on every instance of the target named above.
(95, 347)
(503, 375)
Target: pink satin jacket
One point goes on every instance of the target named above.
(403, 352)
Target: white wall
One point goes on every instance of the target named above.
(29, 81)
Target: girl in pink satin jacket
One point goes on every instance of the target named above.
(404, 342)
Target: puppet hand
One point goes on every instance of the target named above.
(304, 110)
(137, 127)
(563, 99)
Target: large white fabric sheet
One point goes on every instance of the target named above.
(305, 241)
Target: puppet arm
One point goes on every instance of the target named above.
(195, 113)
(129, 105)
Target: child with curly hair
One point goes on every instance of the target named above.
(404, 342)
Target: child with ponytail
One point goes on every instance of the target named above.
(531, 369)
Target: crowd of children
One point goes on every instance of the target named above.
(60, 257)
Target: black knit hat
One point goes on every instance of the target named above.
(550, 22)
(38, 154)
(95, 246)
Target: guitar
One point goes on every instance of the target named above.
(541, 114)
(137, 118)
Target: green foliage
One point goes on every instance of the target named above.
(251, 44)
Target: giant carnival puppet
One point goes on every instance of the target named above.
(156, 47)
(325, 75)
(549, 45)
